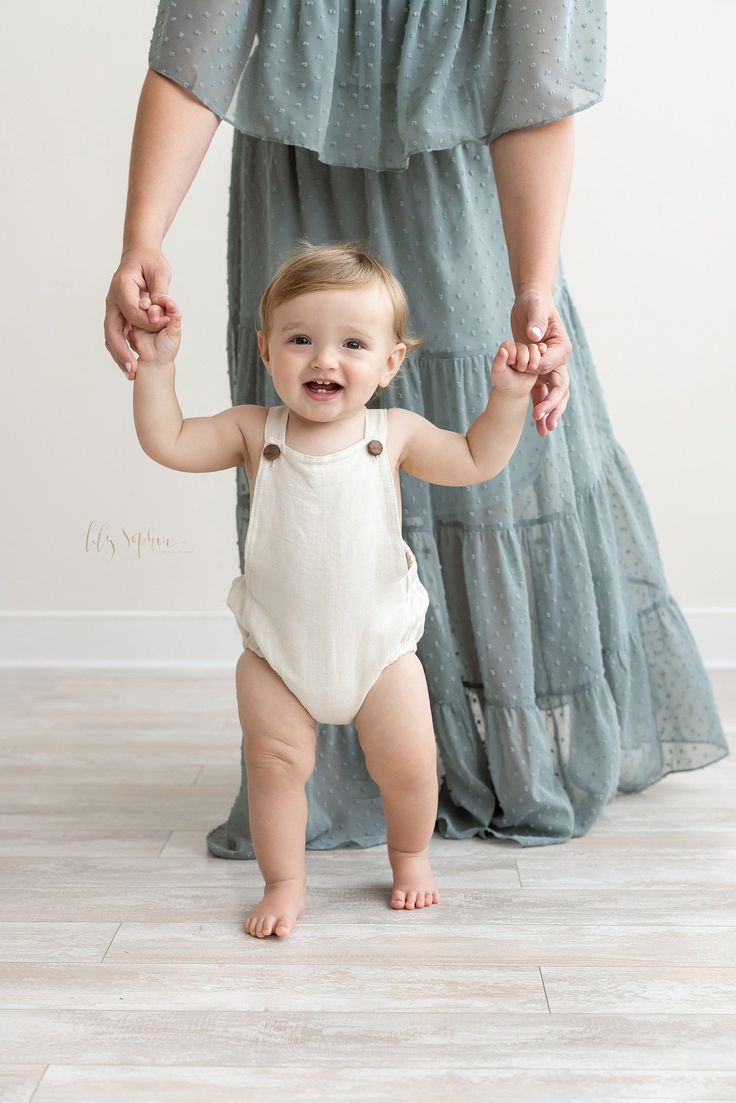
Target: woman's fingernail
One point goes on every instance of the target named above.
(127, 366)
(537, 330)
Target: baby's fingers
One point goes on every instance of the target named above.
(509, 348)
(172, 316)
(535, 355)
(163, 311)
(522, 356)
(156, 311)
(530, 355)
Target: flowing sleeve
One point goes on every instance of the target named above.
(546, 62)
(369, 84)
(205, 47)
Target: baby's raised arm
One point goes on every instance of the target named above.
(184, 444)
(450, 459)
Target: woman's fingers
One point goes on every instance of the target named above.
(122, 311)
(538, 394)
(549, 357)
(116, 329)
(555, 416)
(558, 384)
(558, 348)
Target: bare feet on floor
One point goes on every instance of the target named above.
(414, 884)
(278, 911)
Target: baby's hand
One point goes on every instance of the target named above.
(156, 348)
(511, 369)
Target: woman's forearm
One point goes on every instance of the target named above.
(533, 171)
(173, 131)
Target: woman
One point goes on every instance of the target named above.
(561, 671)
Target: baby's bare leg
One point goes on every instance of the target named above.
(279, 742)
(397, 736)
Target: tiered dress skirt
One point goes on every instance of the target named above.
(561, 670)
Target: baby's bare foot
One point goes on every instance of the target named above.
(414, 883)
(278, 911)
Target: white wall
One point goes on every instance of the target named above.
(647, 250)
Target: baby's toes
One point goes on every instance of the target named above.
(398, 897)
(411, 899)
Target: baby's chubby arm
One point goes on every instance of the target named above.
(184, 444)
(450, 459)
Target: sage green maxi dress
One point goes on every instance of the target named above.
(560, 669)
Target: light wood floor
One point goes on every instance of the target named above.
(600, 969)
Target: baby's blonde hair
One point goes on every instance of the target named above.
(337, 264)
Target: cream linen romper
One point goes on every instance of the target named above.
(330, 593)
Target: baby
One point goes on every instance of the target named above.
(330, 605)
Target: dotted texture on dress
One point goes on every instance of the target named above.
(367, 84)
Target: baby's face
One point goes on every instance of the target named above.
(341, 336)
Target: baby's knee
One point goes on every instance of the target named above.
(272, 754)
(402, 762)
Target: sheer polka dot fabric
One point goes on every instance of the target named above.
(368, 83)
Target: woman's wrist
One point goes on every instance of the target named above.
(141, 242)
(144, 225)
(537, 286)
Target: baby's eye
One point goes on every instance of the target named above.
(350, 340)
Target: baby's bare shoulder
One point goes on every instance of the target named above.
(402, 424)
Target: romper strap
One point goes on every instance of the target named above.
(376, 423)
(273, 430)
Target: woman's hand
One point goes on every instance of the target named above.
(141, 278)
(534, 318)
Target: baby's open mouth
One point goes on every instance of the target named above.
(318, 386)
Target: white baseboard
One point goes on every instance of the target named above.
(119, 640)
